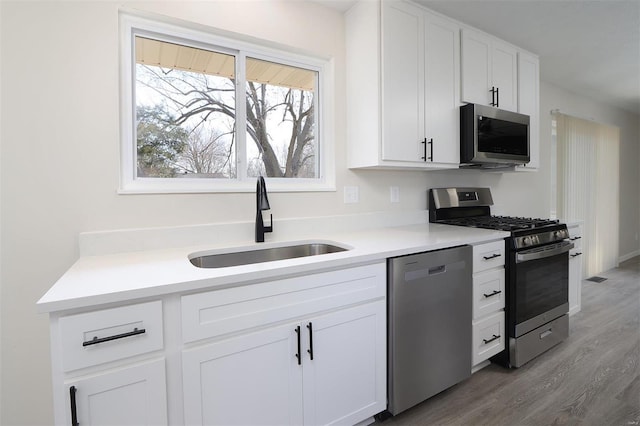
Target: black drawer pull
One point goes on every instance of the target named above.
(493, 256)
(97, 340)
(576, 255)
(574, 238)
(310, 350)
(298, 354)
(74, 411)
(492, 294)
(495, 337)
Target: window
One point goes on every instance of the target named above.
(206, 113)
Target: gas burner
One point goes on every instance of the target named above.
(502, 223)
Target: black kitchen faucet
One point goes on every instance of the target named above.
(262, 203)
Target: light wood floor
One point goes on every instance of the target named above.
(593, 378)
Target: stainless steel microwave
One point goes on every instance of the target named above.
(492, 138)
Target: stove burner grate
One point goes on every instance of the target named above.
(503, 223)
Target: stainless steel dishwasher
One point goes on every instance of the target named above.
(429, 324)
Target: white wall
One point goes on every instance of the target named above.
(59, 154)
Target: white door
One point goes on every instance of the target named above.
(402, 82)
(346, 380)
(253, 379)
(129, 396)
(442, 89)
(476, 68)
(504, 73)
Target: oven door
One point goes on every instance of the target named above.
(540, 286)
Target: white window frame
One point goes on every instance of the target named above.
(134, 23)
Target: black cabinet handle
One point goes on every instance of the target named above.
(576, 255)
(96, 340)
(497, 97)
(310, 350)
(492, 294)
(298, 354)
(493, 96)
(495, 337)
(574, 238)
(493, 256)
(74, 411)
(424, 154)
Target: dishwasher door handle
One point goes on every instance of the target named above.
(429, 271)
(438, 270)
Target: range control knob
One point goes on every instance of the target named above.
(526, 241)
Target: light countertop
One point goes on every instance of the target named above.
(120, 277)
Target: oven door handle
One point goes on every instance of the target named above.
(544, 252)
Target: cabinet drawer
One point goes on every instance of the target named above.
(101, 336)
(487, 256)
(488, 292)
(575, 237)
(488, 337)
(230, 310)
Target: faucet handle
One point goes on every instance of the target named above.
(270, 227)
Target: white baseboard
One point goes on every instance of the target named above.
(629, 256)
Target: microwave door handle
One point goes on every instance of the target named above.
(535, 254)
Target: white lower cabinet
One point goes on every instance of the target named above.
(307, 349)
(575, 268)
(250, 380)
(346, 381)
(109, 367)
(488, 337)
(322, 370)
(488, 323)
(133, 396)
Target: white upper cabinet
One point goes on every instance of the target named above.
(403, 92)
(529, 103)
(408, 72)
(402, 82)
(442, 89)
(489, 71)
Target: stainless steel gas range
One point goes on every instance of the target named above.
(536, 270)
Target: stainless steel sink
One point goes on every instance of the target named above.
(222, 260)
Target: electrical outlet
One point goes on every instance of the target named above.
(351, 195)
(394, 194)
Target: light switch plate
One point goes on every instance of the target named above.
(394, 194)
(351, 194)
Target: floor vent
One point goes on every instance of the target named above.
(596, 279)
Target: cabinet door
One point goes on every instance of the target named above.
(488, 337)
(504, 75)
(251, 379)
(488, 293)
(476, 68)
(346, 380)
(442, 89)
(402, 82)
(528, 101)
(130, 396)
